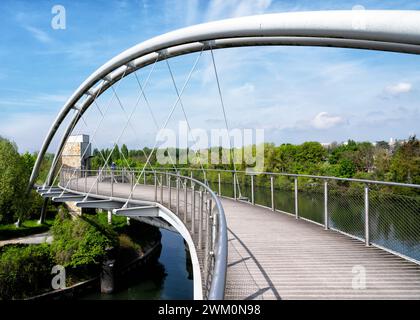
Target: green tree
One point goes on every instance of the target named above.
(14, 176)
(405, 163)
(124, 151)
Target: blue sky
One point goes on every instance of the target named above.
(294, 94)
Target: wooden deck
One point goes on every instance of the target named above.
(274, 256)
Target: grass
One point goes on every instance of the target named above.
(28, 227)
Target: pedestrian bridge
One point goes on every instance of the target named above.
(242, 247)
(242, 250)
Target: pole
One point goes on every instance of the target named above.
(296, 198)
(112, 183)
(234, 186)
(200, 221)
(185, 200)
(367, 233)
(169, 192)
(161, 188)
(252, 189)
(326, 217)
(156, 186)
(177, 196)
(220, 184)
(192, 209)
(272, 193)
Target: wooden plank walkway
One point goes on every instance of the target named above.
(274, 256)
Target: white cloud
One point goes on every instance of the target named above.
(399, 88)
(323, 120)
(38, 34)
(219, 9)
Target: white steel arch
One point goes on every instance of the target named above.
(397, 31)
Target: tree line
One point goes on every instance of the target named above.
(399, 162)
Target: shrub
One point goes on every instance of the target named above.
(80, 242)
(24, 270)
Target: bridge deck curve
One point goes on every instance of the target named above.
(274, 256)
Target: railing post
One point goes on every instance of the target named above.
(192, 209)
(252, 189)
(191, 175)
(177, 196)
(112, 183)
(367, 231)
(86, 181)
(272, 193)
(220, 184)
(161, 188)
(144, 177)
(156, 186)
(208, 240)
(97, 183)
(326, 216)
(132, 180)
(185, 201)
(200, 221)
(169, 192)
(234, 186)
(296, 199)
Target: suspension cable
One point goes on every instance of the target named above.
(79, 132)
(166, 123)
(98, 126)
(186, 118)
(154, 121)
(128, 122)
(232, 154)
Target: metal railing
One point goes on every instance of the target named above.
(382, 214)
(195, 204)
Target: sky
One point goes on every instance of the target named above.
(294, 94)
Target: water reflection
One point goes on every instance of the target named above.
(169, 277)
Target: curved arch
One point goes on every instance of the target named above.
(397, 31)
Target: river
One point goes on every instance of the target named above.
(168, 278)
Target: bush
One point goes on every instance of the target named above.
(80, 242)
(24, 270)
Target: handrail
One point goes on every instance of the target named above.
(361, 205)
(367, 181)
(216, 256)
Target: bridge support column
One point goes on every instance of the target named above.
(43, 211)
(109, 216)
